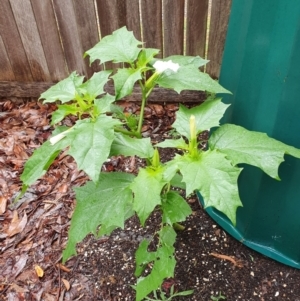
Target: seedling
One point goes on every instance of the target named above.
(218, 298)
(162, 296)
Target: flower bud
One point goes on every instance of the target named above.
(193, 131)
(156, 158)
(58, 137)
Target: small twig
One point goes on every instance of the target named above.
(59, 284)
(236, 263)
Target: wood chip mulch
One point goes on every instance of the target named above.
(34, 230)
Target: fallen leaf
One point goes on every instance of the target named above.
(66, 283)
(28, 275)
(18, 289)
(3, 202)
(19, 265)
(39, 271)
(16, 226)
(63, 268)
(63, 188)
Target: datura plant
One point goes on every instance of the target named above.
(103, 130)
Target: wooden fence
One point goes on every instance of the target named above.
(42, 41)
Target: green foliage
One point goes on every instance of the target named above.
(214, 176)
(207, 116)
(107, 202)
(82, 95)
(162, 259)
(188, 77)
(254, 148)
(128, 146)
(147, 197)
(103, 130)
(162, 296)
(120, 47)
(218, 298)
(175, 208)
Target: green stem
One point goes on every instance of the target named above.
(178, 227)
(141, 119)
(128, 133)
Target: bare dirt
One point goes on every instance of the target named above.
(34, 231)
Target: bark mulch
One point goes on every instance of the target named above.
(34, 230)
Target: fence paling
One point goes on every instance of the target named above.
(43, 41)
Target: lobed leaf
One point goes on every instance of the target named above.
(93, 87)
(124, 81)
(176, 181)
(183, 60)
(63, 111)
(103, 104)
(64, 90)
(91, 143)
(39, 162)
(216, 179)
(254, 148)
(175, 208)
(102, 203)
(147, 188)
(162, 259)
(127, 146)
(121, 46)
(189, 78)
(207, 115)
(146, 56)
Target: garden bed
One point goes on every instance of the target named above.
(34, 231)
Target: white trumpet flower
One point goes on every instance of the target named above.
(161, 66)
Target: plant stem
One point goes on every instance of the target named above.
(178, 227)
(141, 119)
(128, 133)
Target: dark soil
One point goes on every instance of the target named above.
(34, 232)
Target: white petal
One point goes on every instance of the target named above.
(161, 66)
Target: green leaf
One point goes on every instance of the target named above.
(143, 257)
(207, 115)
(37, 165)
(216, 179)
(185, 293)
(189, 78)
(147, 188)
(146, 56)
(175, 208)
(185, 60)
(63, 111)
(91, 142)
(254, 148)
(177, 181)
(41, 159)
(124, 81)
(119, 47)
(104, 202)
(163, 263)
(103, 104)
(65, 90)
(94, 86)
(167, 236)
(127, 146)
(178, 143)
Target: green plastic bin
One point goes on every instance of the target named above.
(261, 66)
